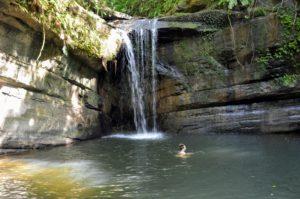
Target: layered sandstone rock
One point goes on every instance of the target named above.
(220, 84)
(54, 100)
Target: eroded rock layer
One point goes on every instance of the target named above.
(221, 84)
(52, 101)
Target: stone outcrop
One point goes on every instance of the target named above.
(220, 84)
(52, 101)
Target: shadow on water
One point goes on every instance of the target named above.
(122, 166)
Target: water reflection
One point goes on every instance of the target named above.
(10, 186)
(30, 178)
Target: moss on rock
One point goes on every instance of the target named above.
(79, 29)
(190, 6)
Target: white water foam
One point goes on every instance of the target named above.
(139, 136)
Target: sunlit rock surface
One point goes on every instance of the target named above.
(50, 102)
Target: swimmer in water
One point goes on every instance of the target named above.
(182, 152)
(182, 149)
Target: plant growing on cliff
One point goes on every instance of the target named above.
(93, 5)
(78, 28)
(289, 48)
(153, 8)
(291, 26)
(148, 8)
(230, 4)
(290, 80)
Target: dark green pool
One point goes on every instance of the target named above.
(222, 167)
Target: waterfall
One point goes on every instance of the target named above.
(141, 57)
(153, 43)
(136, 89)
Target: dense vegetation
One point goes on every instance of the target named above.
(154, 8)
(150, 8)
(287, 52)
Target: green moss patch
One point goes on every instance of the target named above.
(76, 27)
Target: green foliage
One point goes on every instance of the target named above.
(264, 59)
(92, 5)
(261, 11)
(153, 8)
(148, 8)
(288, 80)
(291, 27)
(78, 28)
(230, 4)
(289, 48)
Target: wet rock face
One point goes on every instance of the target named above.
(280, 116)
(52, 102)
(221, 86)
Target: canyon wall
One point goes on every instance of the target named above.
(51, 101)
(218, 75)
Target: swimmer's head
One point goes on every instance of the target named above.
(182, 147)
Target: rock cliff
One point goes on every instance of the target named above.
(217, 72)
(56, 99)
(224, 81)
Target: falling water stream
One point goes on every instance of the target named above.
(136, 89)
(153, 44)
(141, 57)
